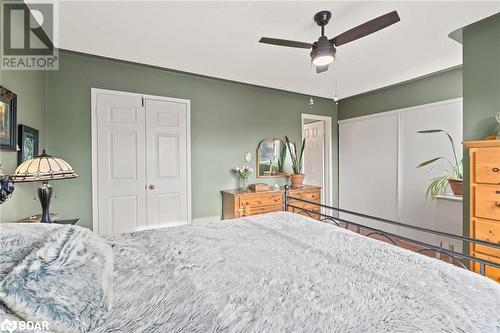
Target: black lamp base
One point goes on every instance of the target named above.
(45, 194)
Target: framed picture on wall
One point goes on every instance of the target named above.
(28, 143)
(8, 126)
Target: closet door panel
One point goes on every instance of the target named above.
(121, 173)
(166, 149)
(415, 208)
(368, 162)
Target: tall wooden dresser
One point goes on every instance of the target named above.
(236, 203)
(485, 201)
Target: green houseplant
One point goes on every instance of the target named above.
(297, 177)
(453, 177)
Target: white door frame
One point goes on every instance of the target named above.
(328, 191)
(93, 130)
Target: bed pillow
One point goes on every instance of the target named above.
(17, 240)
(67, 281)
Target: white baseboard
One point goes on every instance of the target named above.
(208, 219)
(158, 226)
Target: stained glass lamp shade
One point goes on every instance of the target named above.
(44, 168)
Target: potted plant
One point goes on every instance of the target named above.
(281, 160)
(453, 177)
(243, 173)
(297, 177)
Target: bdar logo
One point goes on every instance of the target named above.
(8, 326)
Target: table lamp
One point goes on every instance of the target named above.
(43, 168)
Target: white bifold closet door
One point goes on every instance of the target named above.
(166, 168)
(142, 179)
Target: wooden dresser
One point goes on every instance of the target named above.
(236, 203)
(485, 201)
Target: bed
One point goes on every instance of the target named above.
(282, 272)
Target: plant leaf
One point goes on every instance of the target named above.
(293, 155)
(431, 131)
(429, 162)
(452, 143)
(437, 186)
(301, 154)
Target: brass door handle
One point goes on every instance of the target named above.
(151, 187)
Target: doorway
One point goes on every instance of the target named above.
(317, 130)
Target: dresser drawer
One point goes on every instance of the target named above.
(487, 202)
(260, 210)
(307, 195)
(491, 272)
(488, 231)
(260, 200)
(487, 165)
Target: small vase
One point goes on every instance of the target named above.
(244, 185)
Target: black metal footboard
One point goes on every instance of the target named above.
(458, 258)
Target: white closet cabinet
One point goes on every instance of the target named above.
(378, 155)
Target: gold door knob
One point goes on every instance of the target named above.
(151, 187)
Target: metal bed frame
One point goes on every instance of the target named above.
(457, 258)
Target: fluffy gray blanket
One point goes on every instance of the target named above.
(281, 272)
(61, 275)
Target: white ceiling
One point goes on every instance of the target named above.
(220, 39)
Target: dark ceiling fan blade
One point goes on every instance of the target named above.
(366, 28)
(284, 42)
(321, 69)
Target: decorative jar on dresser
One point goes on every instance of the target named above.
(236, 203)
(485, 201)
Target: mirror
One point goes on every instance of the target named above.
(268, 158)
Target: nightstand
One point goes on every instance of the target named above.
(70, 221)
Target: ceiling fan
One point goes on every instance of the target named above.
(323, 50)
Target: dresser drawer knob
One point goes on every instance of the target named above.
(495, 169)
(497, 192)
(497, 204)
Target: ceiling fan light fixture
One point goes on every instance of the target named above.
(322, 60)
(323, 57)
(323, 52)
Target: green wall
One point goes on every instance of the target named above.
(481, 90)
(227, 120)
(30, 89)
(481, 58)
(431, 88)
